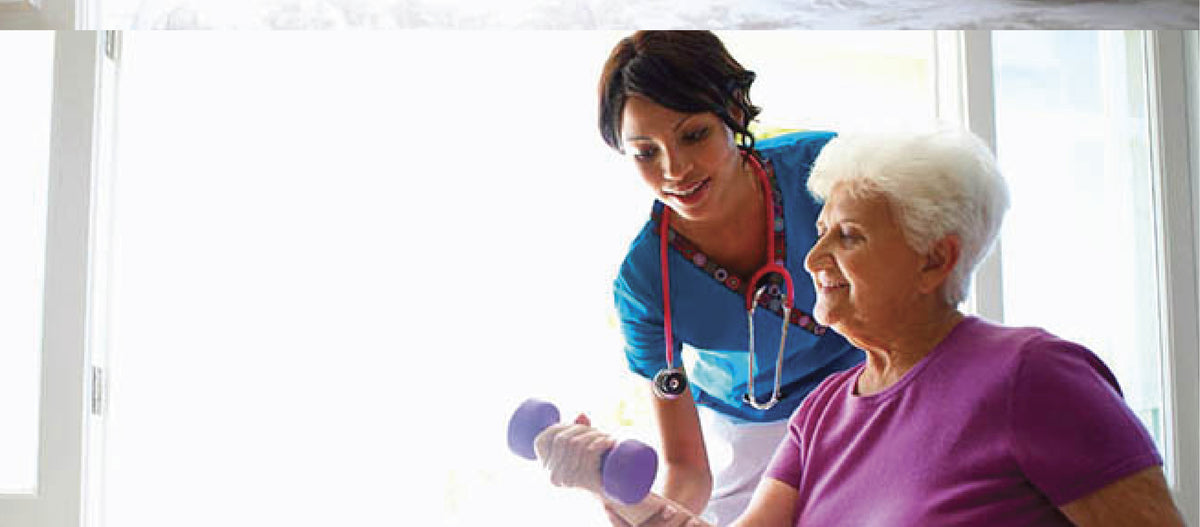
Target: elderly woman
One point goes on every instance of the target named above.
(952, 420)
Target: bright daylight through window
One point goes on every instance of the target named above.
(26, 60)
(334, 278)
(1079, 251)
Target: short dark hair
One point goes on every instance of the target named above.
(686, 71)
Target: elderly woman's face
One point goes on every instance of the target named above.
(687, 159)
(864, 271)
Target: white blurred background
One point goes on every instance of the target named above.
(340, 263)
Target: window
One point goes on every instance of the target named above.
(49, 315)
(26, 59)
(1079, 250)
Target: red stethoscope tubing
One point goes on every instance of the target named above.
(666, 284)
(772, 266)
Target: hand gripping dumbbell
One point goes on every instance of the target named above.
(627, 470)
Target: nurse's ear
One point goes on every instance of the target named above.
(735, 114)
(940, 261)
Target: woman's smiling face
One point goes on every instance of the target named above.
(687, 159)
(865, 273)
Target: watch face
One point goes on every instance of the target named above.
(670, 383)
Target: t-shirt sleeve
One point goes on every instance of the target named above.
(642, 330)
(1072, 433)
(785, 464)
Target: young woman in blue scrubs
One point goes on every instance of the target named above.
(677, 105)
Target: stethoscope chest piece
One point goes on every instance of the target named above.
(670, 383)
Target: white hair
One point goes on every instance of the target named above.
(937, 183)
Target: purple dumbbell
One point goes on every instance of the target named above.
(627, 469)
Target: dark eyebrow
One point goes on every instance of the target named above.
(681, 121)
(673, 128)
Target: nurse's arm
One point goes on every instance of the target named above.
(687, 479)
(1139, 499)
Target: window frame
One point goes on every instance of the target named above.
(966, 96)
(1170, 83)
(65, 390)
(965, 61)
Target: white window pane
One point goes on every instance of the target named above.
(838, 80)
(26, 61)
(341, 261)
(1079, 252)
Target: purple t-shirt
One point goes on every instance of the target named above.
(996, 426)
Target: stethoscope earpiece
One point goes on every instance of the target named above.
(749, 399)
(670, 383)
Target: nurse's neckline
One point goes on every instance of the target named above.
(725, 243)
(736, 282)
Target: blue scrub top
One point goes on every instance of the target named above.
(709, 316)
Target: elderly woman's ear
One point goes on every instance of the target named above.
(940, 261)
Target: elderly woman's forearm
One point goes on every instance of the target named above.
(1142, 498)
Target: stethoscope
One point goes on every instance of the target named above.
(671, 382)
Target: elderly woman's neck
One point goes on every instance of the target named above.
(892, 356)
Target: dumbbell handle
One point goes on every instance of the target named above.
(627, 470)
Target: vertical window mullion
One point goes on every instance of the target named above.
(100, 260)
(979, 87)
(64, 377)
(965, 96)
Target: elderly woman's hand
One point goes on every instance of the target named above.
(654, 511)
(573, 454)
